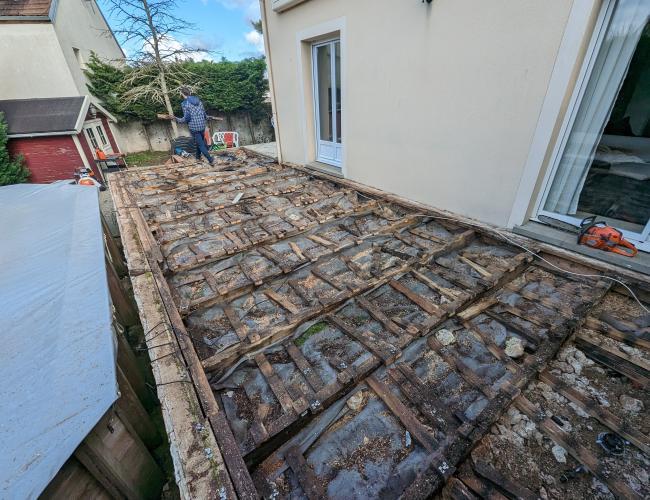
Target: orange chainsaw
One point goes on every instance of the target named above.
(596, 234)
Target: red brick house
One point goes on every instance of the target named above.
(58, 135)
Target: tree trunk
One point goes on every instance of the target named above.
(160, 64)
(168, 104)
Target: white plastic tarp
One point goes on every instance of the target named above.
(57, 357)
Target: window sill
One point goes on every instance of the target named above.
(325, 168)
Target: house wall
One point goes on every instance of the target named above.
(440, 100)
(32, 62)
(49, 159)
(80, 24)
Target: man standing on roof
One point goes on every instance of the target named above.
(197, 120)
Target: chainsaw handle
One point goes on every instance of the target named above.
(588, 221)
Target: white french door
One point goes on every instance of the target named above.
(326, 62)
(96, 136)
(601, 161)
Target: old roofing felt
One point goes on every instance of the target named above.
(57, 362)
(38, 116)
(26, 8)
(350, 347)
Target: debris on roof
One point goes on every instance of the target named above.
(342, 345)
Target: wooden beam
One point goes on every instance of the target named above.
(611, 332)
(408, 419)
(311, 485)
(614, 362)
(126, 312)
(428, 306)
(282, 301)
(119, 460)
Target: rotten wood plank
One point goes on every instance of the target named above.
(282, 301)
(240, 329)
(311, 485)
(305, 367)
(420, 301)
(275, 383)
(464, 371)
(614, 362)
(610, 331)
(408, 419)
(518, 491)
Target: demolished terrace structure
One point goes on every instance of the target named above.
(314, 338)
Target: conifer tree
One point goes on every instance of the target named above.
(12, 171)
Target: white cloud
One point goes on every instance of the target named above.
(256, 40)
(168, 45)
(251, 8)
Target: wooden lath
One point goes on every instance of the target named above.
(308, 258)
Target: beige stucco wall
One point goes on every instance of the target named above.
(440, 101)
(80, 24)
(32, 63)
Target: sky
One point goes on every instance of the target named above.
(221, 26)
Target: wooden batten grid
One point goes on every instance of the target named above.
(432, 275)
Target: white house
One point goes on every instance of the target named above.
(45, 44)
(505, 111)
(44, 47)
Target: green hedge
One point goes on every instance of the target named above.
(225, 86)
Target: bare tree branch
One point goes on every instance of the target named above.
(156, 72)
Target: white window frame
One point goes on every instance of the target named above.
(317, 125)
(334, 28)
(577, 26)
(93, 125)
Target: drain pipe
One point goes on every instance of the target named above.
(269, 67)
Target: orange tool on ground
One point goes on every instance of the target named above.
(599, 235)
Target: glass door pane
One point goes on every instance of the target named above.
(324, 90)
(604, 166)
(337, 77)
(93, 139)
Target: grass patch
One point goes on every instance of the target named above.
(312, 330)
(147, 158)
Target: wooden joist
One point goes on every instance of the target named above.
(425, 398)
(454, 361)
(387, 352)
(417, 299)
(305, 367)
(310, 484)
(515, 490)
(640, 341)
(614, 361)
(408, 419)
(275, 383)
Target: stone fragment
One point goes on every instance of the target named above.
(630, 404)
(446, 337)
(355, 402)
(514, 347)
(559, 453)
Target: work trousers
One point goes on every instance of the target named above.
(201, 146)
